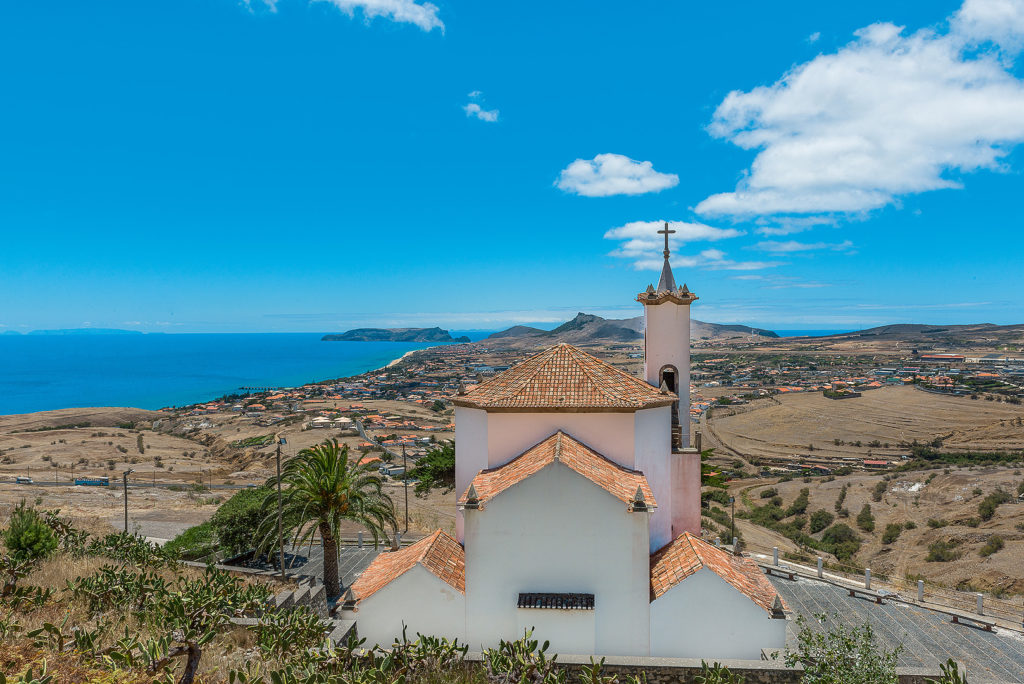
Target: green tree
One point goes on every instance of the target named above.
(28, 537)
(436, 469)
(321, 490)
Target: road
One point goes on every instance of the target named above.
(132, 485)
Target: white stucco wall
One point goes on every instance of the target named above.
(510, 434)
(667, 343)
(706, 617)
(558, 532)
(470, 453)
(653, 446)
(420, 600)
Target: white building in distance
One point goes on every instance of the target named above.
(579, 516)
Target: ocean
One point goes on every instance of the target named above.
(42, 372)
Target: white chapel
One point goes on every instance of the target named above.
(579, 516)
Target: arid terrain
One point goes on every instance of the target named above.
(787, 426)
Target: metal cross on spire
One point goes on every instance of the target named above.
(667, 282)
(666, 232)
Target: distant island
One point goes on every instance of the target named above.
(394, 335)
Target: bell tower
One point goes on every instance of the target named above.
(667, 343)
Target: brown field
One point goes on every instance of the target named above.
(786, 426)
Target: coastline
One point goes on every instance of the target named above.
(401, 358)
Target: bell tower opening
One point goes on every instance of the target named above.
(670, 379)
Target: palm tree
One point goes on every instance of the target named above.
(321, 490)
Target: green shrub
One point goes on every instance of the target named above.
(194, 543)
(909, 525)
(841, 498)
(865, 520)
(892, 533)
(987, 507)
(994, 543)
(28, 537)
(799, 504)
(236, 520)
(841, 541)
(717, 495)
(772, 491)
(820, 519)
(937, 523)
(941, 552)
(879, 491)
(842, 655)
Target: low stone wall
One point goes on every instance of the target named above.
(684, 670)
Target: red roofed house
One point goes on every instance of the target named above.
(579, 515)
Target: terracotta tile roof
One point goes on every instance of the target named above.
(438, 553)
(563, 377)
(621, 482)
(687, 554)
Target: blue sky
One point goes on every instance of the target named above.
(216, 165)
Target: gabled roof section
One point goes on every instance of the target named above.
(622, 483)
(439, 553)
(565, 378)
(687, 554)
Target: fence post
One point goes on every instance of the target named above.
(920, 591)
(735, 544)
(360, 540)
(775, 555)
(981, 608)
(867, 578)
(820, 563)
(398, 539)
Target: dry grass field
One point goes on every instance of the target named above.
(787, 425)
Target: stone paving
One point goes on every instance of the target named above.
(928, 638)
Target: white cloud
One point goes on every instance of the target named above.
(788, 225)
(999, 21)
(790, 246)
(421, 14)
(474, 94)
(814, 37)
(613, 174)
(887, 115)
(473, 109)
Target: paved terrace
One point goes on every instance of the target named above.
(928, 637)
(308, 561)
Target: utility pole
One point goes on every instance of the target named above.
(280, 516)
(732, 502)
(125, 479)
(405, 486)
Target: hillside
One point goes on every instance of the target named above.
(591, 329)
